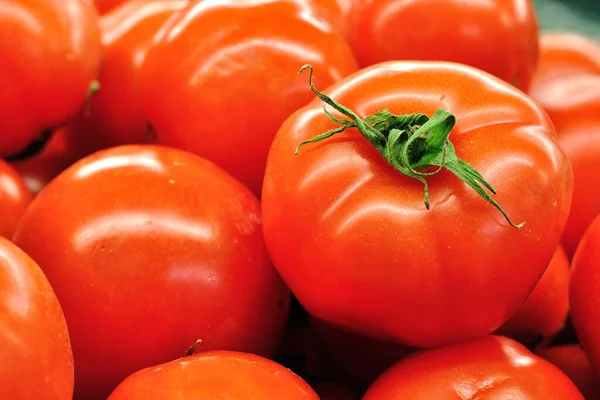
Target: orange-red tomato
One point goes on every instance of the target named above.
(234, 79)
(545, 310)
(36, 362)
(584, 289)
(14, 199)
(215, 375)
(105, 6)
(353, 239)
(487, 369)
(148, 250)
(51, 54)
(497, 36)
(572, 361)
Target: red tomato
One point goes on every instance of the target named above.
(333, 391)
(215, 375)
(228, 93)
(487, 369)
(105, 6)
(14, 199)
(497, 36)
(113, 115)
(149, 249)
(344, 227)
(545, 310)
(572, 361)
(36, 362)
(584, 289)
(51, 54)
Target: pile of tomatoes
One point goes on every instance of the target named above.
(297, 200)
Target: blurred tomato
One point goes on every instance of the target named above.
(497, 36)
(36, 362)
(105, 6)
(232, 79)
(215, 375)
(51, 54)
(14, 199)
(545, 310)
(149, 249)
(487, 369)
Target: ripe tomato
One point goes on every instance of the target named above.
(545, 310)
(357, 231)
(215, 375)
(14, 199)
(584, 289)
(36, 362)
(497, 36)
(51, 54)
(105, 6)
(154, 248)
(491, 368)
(235, 81)
(113, 115)
(572, 361)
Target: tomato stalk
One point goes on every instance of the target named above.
(411, 143)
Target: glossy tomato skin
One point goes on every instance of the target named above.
(573, 362)
(104, 6)
(155, 249)
(114, 116)
(226, 96)
(546, 308)
(14, 199)
(448, 30)
(584, 289)
(51, 53)
(487, 369)
(36, 362)
(360, 249)
(215, 375)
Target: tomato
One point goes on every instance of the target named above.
(494, 367)
(113, 115)
(584, 289)
(104, 6)
(234, 81)
(345, 227)
(572, 361)
(215, 375)
(497, 36)
(14, 199)
(545, 310)
(149, 249)
(332, 391)
(36, 362)
(51, 54)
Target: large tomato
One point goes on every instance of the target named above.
(234, 81)
(351, 234)
(149, 249)
(487, 369)
(14, 199)
(584, 289)
(51, 54)
(104, 6)
(215, 375)
(546, 308)
(36, 362)
(497, 36)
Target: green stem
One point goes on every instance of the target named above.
(410, 143)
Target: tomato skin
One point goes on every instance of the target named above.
(435, 28)
(494, 367)
(342, 208)
(14, 199)
(51, 53)
(546, 308)
(229, 110)
(105, 6)
(148, 255)
(36, 362)
(584, 289)
(572, 361)
(215, 375)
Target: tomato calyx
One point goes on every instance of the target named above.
(411, 143)
(192, 349)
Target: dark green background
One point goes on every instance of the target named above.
(581, 16)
